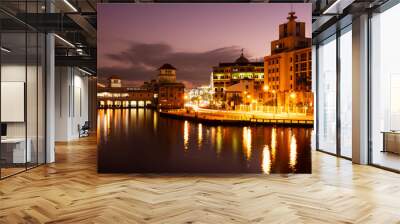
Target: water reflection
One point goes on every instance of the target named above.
(273, 143)
(138, 140)
(186, 135)
(155, 120)
(218, 146)
(266, 164)
(293, 152)
(200, 135)
(247, 142)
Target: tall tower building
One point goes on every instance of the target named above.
(292, 36)
(170, 92)
(167, 73)
(288, 68)
(114, 82)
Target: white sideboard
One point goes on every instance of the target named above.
(18, 147)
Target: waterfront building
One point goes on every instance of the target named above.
(164, 92)
(200, 96)
(170, 92)
(114, 95)
(114, 82)
(228, 74)
(288, 68)
(167, 73)
(246, 92)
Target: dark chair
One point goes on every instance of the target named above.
(84, 130)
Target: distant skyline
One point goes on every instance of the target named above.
(135, 39)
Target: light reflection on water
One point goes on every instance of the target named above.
(138, 140)
(266, 165)
(247, 142)
(293, 152)
(186, 135)
(200, 135)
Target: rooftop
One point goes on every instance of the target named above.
(167, 66)
(114, 77)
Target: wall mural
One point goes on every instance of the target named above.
(204, 88)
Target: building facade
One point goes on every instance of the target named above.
(201, 96)
(170, 92)
(247, 92)
(226, 75)
(288, 68)
(112, 96)
(163, 93)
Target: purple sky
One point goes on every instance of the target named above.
(135, 39)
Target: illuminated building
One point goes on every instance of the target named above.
(201, 95)
(162, 93)
(288, 68)
(167, 73)
(227, 74)
(114, 95)
(170, 92)
(246, 92)
(114, 82)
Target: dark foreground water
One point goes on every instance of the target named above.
(139, 141)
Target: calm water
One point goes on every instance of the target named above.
(139, 141)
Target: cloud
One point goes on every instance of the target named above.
(140, 61)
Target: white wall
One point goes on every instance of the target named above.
(33, 126)
(12, 73)
(71, 102)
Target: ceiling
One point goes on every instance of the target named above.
(75, 21)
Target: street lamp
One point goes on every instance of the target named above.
(266, 88)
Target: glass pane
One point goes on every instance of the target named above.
(13, 86)
(346, 94)
(31, 98)
(385, 84)
(327, 96)
(314, 89)
(41, 98)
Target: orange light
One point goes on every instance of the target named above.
(293, 95)
(266, 88)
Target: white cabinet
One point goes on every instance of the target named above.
(19, 155)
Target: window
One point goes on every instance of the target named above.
(385, 89)
(285, 34)
(22, 80)
(326, 136)
(346, 94)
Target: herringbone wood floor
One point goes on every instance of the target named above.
(71, 191)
